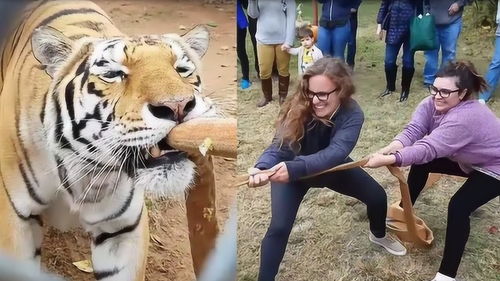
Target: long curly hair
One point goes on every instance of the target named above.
(297, 111)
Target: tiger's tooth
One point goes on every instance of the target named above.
(155, 151)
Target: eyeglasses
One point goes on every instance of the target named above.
(322, 96)
(444, 93)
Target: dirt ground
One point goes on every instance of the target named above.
(169, 252)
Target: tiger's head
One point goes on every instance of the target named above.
(113, 101)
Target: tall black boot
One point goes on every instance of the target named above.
(406, 77)
(390, 78)
(283, 87)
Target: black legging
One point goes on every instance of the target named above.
(351, 44)
(285, 201)
(241, 34)
(477, 190)
(252, 29)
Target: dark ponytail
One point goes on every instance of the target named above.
(468, 78)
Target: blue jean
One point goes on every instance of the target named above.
(447, 37)
(392, 51)
(333, 41)
(493, 74)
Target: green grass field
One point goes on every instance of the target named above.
(330, 238)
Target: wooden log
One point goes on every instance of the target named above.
(201, 212)
(190, 135)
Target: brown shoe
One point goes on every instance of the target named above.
(283, 87)
(267, 91)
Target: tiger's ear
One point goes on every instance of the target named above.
(198, 38)
(50, 47)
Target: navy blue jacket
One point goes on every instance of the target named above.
(337, 9)
(322, 147)
(398, 15)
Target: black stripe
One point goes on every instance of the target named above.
(198, 81)
(92, 90)
(103, 274)
(101, 238)
(69, 96)
(42, 112)
(30, 188)
(69, 12)
(120, 212)
(81, 67)
(59, 138)
(37, 218)
(62, 172)
(96, 26)
(38, 252)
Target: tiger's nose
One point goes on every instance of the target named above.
(172, 110)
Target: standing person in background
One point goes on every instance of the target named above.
(252, 29)
(351, 44)
(241, 34)
(334, 26)
(308, 53)
(448, 17)
(394, 18)
(275, 35)
(493, 74)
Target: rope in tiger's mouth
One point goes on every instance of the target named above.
(161, 154)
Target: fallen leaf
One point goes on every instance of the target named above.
(206, 146)
(212, 24)
(182, 27)
(225, 48)
(85, 266)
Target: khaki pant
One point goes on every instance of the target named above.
(267, 54)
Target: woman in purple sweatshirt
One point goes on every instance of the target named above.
(317, 129)
(451, 133)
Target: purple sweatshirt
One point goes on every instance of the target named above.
(468, 134)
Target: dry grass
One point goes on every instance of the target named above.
(329, 240)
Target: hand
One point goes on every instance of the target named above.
(454, 8)
(285, 47)
(378, 160)
(281, 173)
(379, 32)
(353, 10)
(391, 148)
(257, 177)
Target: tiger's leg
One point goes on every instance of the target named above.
(119, 245)
(20, 233)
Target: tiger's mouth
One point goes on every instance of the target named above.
(161, 154)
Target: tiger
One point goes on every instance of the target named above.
(84, 113)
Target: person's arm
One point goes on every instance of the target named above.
(444, 141)
(382, 12)
(253, 9)
(291, 13)
(341, 145)
(293, 51)
(274, 154)
(419, 125)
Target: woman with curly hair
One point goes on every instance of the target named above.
(317, 129)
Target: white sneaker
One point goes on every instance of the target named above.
(442, 277)
(391, 244)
